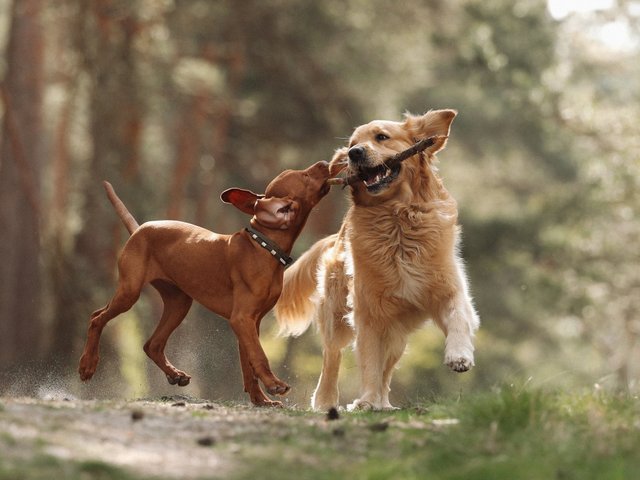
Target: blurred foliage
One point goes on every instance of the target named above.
(176, 100)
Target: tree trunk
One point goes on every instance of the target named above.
(20, 162)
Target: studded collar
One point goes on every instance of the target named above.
(270, 246)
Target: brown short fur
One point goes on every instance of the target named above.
(231, 275)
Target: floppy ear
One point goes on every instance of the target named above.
(339, 161)
(432, 123)
(276, 212)
(243, 200)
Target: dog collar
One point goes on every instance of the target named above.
(270, 246)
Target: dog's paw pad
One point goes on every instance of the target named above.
(460, 364)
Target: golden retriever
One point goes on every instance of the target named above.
(393, 265)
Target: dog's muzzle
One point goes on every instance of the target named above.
(375, 178)
(357, 154)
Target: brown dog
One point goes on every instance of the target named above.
(237, 276)
(394, 264)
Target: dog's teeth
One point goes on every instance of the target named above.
(378, 178)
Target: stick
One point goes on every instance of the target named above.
(392, 162)
(411, 151)
(336, 181)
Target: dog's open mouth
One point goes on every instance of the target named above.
(378, 178)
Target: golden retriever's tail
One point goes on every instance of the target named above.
(296, 306)
(121, 210)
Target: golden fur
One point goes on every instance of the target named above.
(393, 265)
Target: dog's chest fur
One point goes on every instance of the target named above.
(403, 252)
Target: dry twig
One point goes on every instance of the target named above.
(391, 162)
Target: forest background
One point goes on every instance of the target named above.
(174, 101)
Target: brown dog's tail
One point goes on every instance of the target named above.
(121, 210)
(296, 306)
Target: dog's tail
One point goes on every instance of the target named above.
(296, 306)
(121, 210)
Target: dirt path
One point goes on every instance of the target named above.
(172, 438)
(508, 433)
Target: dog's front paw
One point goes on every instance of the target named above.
(268, 403)
(459, 363)
(259, 399)
(279, 388)
(458, 353)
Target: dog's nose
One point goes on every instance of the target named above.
(356, 154)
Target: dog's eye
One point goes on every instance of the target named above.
(381, 137)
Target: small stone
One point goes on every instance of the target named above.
(178, 404)
(206, 441)
(137, 415)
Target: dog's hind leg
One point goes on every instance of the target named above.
(132, 266)
(336, 333)
(327, 394)
(122, 301)
(176, 307)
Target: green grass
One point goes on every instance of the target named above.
(46, 467)
(506, 434)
